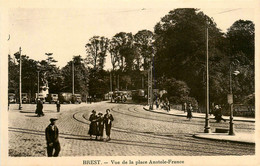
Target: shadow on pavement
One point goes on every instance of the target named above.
(32, 116)
(43, 133)
(180, 147)
(163, 146)
(32, 112)
(83, 139)
(45, 111)
(29, 131)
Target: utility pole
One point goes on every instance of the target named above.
(118, 82)
(207, 127)
(38, 89)
(230, 101)
(150, 87)
(142, 82)
(111, 88)
(20, 80)
(73, 77)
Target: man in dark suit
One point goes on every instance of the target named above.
(108, 118)
(52, 138)
(58, 105)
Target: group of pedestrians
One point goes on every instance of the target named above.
(91, 99)
(39, 107)
(96, 128)
(163, 104)
(217, 112)
(98, 123)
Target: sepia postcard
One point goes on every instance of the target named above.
(129, 82)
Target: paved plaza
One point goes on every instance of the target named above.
(135, 132)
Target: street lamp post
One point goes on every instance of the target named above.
(150, 87)
(230, 101)
(38, 87)
(142, 82)
(118, 82)
(150, 82)
(73, 77)
(20, 80)
(207, 127)
(111, 88)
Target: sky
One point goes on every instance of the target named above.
(65, 32)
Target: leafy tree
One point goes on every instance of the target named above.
(50, 73)
(29, 75)
(114, 52)
(50, 60)
(13, 75)
(241, 38)
(125, 43)
(143, 42)
(177, 91)
(81, 76)
(98, 83)
(115, 57)
(97, 51)
(129, 56)
(123, 54)
(181, 45)
(174, 87)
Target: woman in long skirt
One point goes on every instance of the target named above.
(93, 124)
(100, 126)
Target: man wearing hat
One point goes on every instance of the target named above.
(108, 118)
(58, 105)
(52, 138)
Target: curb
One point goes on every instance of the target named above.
(241, 142)
(251, 121)
(173, 114)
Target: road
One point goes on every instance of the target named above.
(135, 132)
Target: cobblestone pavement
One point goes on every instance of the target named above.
(135, 132)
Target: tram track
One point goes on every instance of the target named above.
(187, 139)
(163, 118)
(131, 136)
